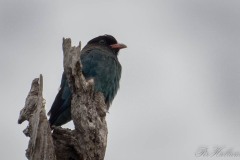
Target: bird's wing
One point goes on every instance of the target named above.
(62, 100)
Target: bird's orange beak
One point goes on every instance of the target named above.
(118, 46)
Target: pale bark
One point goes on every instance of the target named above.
(89, 139)
(40, 146)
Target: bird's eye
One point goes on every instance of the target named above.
(102, 42)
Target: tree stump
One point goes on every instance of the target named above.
(88, 140)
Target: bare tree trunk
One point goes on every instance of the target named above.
(89, 139)
(41, 144)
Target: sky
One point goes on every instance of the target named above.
(180, 84)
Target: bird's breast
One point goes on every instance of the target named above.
(105, 69)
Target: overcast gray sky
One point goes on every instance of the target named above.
(180, 86)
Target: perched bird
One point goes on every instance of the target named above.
(100, 63)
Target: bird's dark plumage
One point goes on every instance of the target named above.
(99, 62)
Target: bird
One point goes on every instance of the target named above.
(99, 60)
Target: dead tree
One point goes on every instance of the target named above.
(88, 140)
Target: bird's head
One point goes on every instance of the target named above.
(107, 41)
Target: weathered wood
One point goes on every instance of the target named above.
(40, 146)
(89, 139)
(88, 108)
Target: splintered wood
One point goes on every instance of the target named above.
(88, 140)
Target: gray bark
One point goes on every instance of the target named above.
(88, 140)
(40, 146)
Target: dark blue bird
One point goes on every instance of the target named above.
(100, 62)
